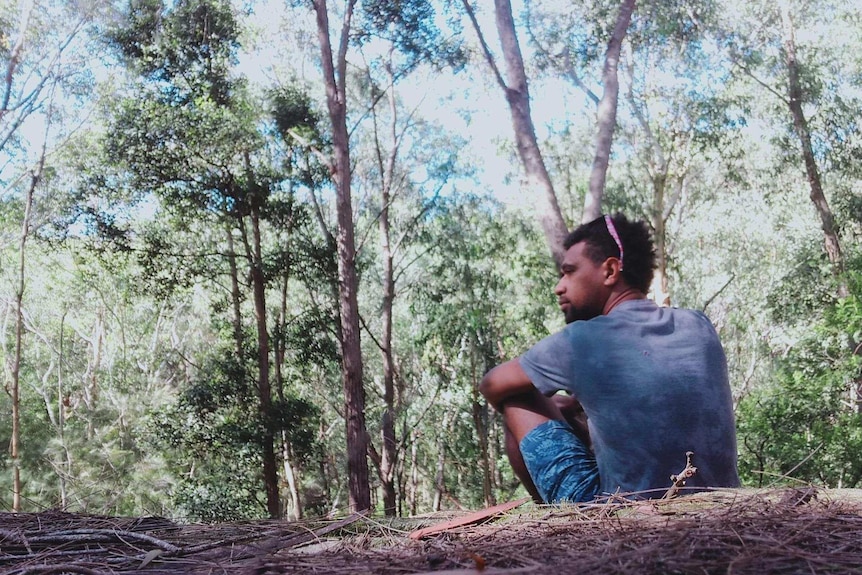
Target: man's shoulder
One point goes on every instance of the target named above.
(647, 310)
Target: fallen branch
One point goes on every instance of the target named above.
(103, 536)
(469, 519)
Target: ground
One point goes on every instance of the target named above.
(801, 530)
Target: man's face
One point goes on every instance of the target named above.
(581, 292)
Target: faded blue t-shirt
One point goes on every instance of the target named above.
(653, 383)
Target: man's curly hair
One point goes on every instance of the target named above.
(638, 250)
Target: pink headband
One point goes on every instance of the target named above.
(613, 231)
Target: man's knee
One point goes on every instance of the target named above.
(525, 412)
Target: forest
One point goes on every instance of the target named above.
(256, 256)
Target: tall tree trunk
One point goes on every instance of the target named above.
(91, 377)
(607, 114)
(657, 165)
(818, 198)
(493, 452)
(291, 470)
(386, 166)
(518, 97)
(516, 89)
(659, 283)
(323, 464)
(66, 466)
(270, 470)
(351, 355)
(440, 468)
(291, 475)
(15, 390)
(413, 490)
(480, 422)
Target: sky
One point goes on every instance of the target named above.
(469, 103)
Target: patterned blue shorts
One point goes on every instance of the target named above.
(562, 467)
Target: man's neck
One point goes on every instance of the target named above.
(618, 297)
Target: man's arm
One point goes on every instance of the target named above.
(504, 381)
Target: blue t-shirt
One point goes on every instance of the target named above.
(653, 383)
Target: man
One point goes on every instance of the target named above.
(652, 382)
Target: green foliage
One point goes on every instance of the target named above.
(486, 295)
(292, 110)
(806, 290)
(805, 425)
(135, 333)
(412, 27)
(186, 50)
(216, 432)
(221, 494)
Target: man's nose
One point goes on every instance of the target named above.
(559, 288)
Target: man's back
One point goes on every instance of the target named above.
(653, 382)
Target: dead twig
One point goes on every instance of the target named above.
(679, 479)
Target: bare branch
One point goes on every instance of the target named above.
(607, 114)
(718, 293)
(747, 71)
(15, 56)
(485, 49)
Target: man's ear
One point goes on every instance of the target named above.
(612, 270)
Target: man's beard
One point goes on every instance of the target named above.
(572, 314)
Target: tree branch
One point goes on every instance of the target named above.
(485, 49)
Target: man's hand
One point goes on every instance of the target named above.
(504, 381)
(574, 414)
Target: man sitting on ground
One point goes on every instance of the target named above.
(652, 382)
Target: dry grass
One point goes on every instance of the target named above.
(728, 532)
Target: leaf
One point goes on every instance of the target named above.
(148, 558)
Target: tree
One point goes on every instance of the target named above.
(800, 124)
(606, 112)
(335, 79)
(34, 83)
(194, 138)
(674, 109)
(518, 98)
(483, 298)
(516, 90)
(409, 29)
(777, 52)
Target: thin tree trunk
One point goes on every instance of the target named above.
(413, 501)
(279, 344)
(291, 474)
(351, 355)
(291, 471)
(660, 283)
(480, 422)
(518, 97)
(323, 466)
(818, 198)
(235, 296)
(607, 114)
(440, 468)
(657, 167)
(493, 453)
(15, 443)
(386, 166)
(61, 420)
(270, 470)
